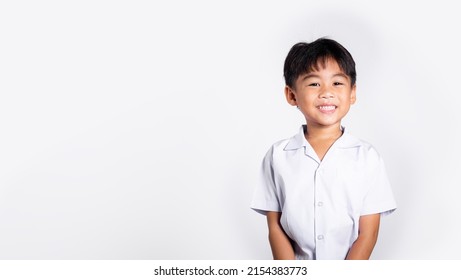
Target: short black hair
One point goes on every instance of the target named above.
(307, 57)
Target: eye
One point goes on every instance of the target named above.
(314, 85)
(338, 84)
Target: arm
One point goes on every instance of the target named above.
(368, 234)
(279, 241)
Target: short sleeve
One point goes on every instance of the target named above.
(380, 198)
(265, 196)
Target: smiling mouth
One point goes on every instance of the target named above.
(327, 108)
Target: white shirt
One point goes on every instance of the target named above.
(321, 201)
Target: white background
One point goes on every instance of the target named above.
(135, 129)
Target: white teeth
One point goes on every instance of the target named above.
(328, 108)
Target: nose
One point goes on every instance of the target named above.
(326, 93)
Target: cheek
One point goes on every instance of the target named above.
(307, 96)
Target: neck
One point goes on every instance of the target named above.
(323, 132)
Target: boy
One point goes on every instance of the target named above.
(323, 191)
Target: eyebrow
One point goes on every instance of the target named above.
(312, 75)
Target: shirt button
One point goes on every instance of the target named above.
(320, 204)
(320, 237)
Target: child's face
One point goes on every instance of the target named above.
(324, 96)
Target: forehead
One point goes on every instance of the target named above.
(326, 66)
(324, 63)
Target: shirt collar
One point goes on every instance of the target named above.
(298, 141)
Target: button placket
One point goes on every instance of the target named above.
(319, 227)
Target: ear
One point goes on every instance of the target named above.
(290, 96)
(353, 94)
